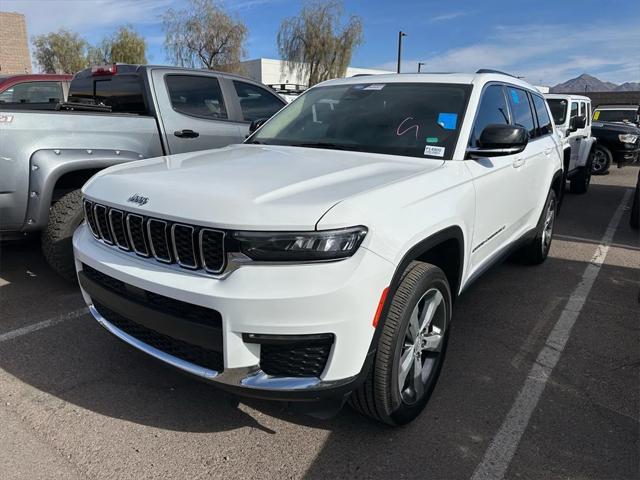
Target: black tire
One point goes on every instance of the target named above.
(601, 161)
(64, 217)
(634, 220)
(381, 397)
(580, 180)
(536, 252)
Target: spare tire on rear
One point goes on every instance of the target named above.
(64, 217)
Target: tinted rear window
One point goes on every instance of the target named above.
(123, 93)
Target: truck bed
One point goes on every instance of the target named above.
(34, 141)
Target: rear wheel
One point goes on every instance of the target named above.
(64, 217)
(602, 159)
(411, 348)
(537, 251)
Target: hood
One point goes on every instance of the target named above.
(250, 186)
(617, 126)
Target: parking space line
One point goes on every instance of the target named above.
(44, 324)
(498, 456)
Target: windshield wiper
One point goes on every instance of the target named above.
(330, 146)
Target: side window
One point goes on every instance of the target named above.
(583, 110)
(493, 109)
(256, 102)
(196, 95)
(33, 92)
(544, 122)
(521, 109)
(574, 109)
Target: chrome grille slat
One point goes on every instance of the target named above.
(90, 218)
(100, 213)
(116, 221)
(191, 247)
(212, 265)
(135, 232)
(184, 257)
(157, 232)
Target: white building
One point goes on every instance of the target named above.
(270, 71)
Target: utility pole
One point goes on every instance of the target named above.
(419, 65)
(400, 35)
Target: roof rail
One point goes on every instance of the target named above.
(489, 70)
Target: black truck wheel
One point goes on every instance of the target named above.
(64, 217)
(634, 221)
(602, 159)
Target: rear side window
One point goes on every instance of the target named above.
(493, 109)
(521, 109)
(196, 95)
(574, 109)
(256, 102)
(123, 93)
(544, 122)
(584, 106)
(32, 92)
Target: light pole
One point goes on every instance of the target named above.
(400, 35)
(419, 65)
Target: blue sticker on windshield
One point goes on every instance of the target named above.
(448, 121)
(514, 96)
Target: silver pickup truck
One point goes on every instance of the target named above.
(114, 114)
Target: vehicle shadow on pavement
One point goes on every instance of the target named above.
(489, 355)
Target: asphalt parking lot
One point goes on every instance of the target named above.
(541, 381)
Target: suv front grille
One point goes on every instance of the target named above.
(189, 246)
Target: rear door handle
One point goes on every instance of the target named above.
(518, 162)
(186, 133)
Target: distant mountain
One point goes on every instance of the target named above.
(584, 83)
(628, 87)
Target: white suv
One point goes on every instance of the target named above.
(321, 259)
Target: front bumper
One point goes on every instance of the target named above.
(337, 298)
(627, 155)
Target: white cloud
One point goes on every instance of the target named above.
(448, 16)
(546, 53)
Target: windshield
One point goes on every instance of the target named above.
(412, 119)
(615, 115)
(558, 110)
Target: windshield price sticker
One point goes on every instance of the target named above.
(434, 151)
(6, 118)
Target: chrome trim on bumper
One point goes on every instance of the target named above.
(250, 378)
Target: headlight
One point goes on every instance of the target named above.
(628, 138)
(300, 246)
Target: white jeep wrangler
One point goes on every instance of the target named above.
(321, 259)
(572, 116)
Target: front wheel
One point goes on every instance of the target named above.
(411, 348)
(602, 159)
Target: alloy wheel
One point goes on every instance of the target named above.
(422, 346)
(547, 231)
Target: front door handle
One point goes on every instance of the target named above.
(518, 162)
(186, 133)
(547, 152)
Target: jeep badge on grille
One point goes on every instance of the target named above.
(140, 200)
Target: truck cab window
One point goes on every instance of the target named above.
(256, 102)
(196, 95)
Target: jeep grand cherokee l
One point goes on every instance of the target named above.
(321, 259)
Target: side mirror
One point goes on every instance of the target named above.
(498, 139)
(256, 124)
(577, 122)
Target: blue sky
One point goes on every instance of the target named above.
(545, 41)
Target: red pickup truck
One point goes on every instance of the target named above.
(34, 92)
